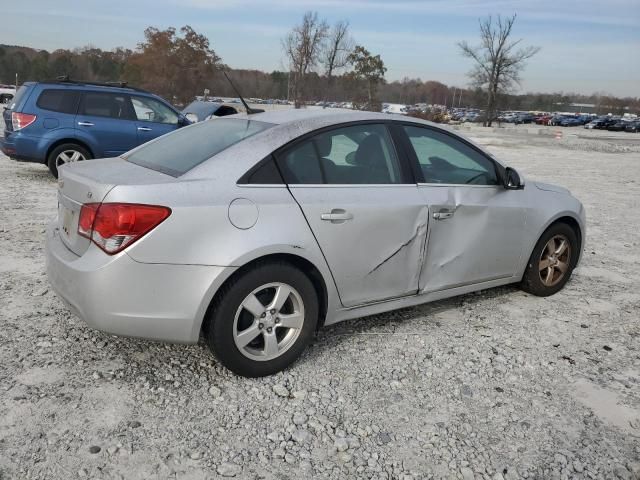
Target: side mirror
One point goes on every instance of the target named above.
(512, 180)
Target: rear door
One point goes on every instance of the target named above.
(476, 227)
(153, 118)
(106, 122)
(366, 213)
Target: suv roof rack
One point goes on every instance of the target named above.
(65, 79)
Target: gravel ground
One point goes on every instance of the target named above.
(494, 385)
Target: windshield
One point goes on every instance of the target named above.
(180, 151)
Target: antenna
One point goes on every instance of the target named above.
(247, 107)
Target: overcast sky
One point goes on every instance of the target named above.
(587, 45)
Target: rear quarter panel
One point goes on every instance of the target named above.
(199, 230)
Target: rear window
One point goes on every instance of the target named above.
(63, 101)
(180, 151)
(19, 94)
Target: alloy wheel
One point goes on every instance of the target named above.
(554, 260)
(268, 321)
(69, 156)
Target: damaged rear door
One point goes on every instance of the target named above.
(476, 226)
(368, 219)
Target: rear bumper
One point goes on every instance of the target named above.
(21, 147)
(118, 295)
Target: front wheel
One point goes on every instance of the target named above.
(552, 261)
(66, 153)
(262, 320)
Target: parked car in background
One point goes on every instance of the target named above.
(365, 213)
(67, 121)
(633, 126)
(570, 122)
(198, 111)
(617, 126)
(593, 124)
(7, 92)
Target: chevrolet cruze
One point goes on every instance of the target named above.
(256, 230)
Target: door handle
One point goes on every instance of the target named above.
(85, 124)
(144, 129)
(337, 215)
(444, 214)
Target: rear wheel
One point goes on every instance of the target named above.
(66, 153)
(262, 320)
(552, 261)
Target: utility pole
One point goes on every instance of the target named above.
(16, 81)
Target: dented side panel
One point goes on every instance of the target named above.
(377, 253)
(479, 239)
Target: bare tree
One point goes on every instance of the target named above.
(335, 55)
(498, 60)
(302, 47)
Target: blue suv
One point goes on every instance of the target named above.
(66, 121)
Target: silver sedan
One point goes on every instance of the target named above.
(257, 230)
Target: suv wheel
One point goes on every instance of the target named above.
(66, 153)
(262, 321)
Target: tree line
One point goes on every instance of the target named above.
(324, 63)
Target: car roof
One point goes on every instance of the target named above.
(315, 115)
(94, 86)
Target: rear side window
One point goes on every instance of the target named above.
(178, 152)
(358, 154)
(58, 100)
(112, 105)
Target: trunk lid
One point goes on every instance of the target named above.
(90, 182)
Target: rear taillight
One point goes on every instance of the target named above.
(21, 120)
(115, 226)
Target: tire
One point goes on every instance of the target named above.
(72, 151)
(229, 324)
(538, 279)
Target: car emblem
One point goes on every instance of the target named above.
(89, 194)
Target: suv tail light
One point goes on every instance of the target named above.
(21, 120)
(115, 226)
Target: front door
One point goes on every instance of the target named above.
(476, 226)
(369, 220)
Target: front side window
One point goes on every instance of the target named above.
(444, 159)
(178, 152)
(100, 104)
(59, 100)
(359, 154)
(150, 110)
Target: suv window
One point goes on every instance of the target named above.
(178, 152)
(58, 100)
(359, 154)
(103, 104)
(444, 159)
(150, 110)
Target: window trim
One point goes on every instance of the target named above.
(131, 114)
(406, 172)
(415, 162)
